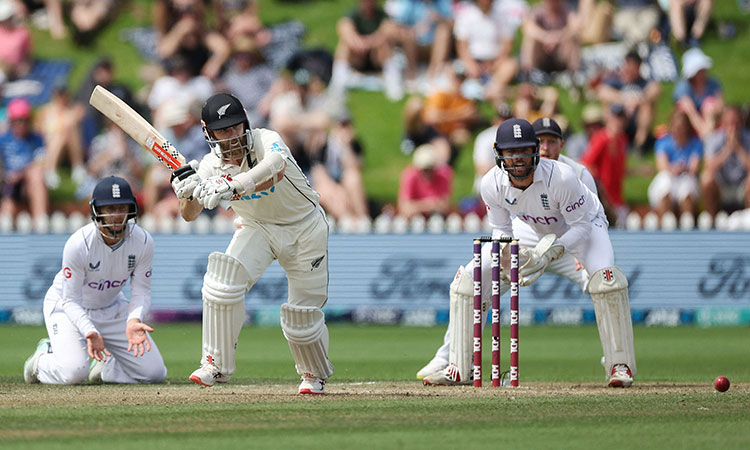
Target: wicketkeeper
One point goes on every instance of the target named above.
(552, 209)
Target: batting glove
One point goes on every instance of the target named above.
(213, 190)
(544, 253)
(185, 179)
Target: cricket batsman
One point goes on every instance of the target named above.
(278, 218)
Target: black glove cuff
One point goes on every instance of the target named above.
(182, 172)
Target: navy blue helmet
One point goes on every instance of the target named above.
(111, 191)
(546, 125)
(516, 134)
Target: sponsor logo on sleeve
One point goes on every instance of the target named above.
(576, 204)
(66, 272)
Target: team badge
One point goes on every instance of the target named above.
(545, 201)
(223, 110)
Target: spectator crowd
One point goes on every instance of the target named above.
(458, 67)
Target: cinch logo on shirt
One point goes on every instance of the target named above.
(106, 284)
(257, 194)
(575, 205)
(539, 219)
(275, 147)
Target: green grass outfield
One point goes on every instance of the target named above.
(375, 401)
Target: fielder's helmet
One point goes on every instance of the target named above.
(546, 125)
(516, 133)
(113, 191)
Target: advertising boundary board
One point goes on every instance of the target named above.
(675, 278)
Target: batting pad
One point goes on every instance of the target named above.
(609, 292)
(224, 288)
(305, 329)
(460, 323)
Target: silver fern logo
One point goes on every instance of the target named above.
(223, 110)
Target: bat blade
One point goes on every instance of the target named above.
(136, 127)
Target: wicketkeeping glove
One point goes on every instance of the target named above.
(185, 179)
(214, 189)
(544, 253)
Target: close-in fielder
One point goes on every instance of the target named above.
(279, 218)
(86, 313)
(561, 226)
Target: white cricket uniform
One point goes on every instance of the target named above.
(86, 296)
(548, 173)
(561, 200)
(556, 202)
(284, 222)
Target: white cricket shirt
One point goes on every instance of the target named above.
(288, 201)
(555, 202)
(93, 274)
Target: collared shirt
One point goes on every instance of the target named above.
(556, 202)
(288, 201)
(93, 274)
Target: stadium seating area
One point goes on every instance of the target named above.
(576, 65)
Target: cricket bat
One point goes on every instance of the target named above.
(136, 127)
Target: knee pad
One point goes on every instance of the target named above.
(224, 288)
(305, 329)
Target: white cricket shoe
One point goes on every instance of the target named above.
(95, 371)
(312, 385)
(31, 366)
(207, 375)
(621, 376)
(446, 377)
(437, 364)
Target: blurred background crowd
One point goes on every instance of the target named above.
(633, 84)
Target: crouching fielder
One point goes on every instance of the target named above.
(562, 219)
(86, 313)
(279, 217)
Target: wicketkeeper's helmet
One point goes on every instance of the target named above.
(513, 134)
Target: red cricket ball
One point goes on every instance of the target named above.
(721, 384)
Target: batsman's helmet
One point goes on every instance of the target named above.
(220, 111)
(516, 133)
